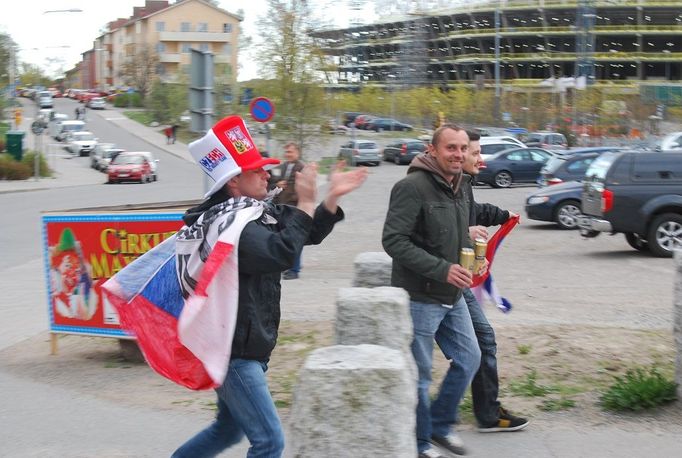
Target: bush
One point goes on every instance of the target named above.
(639, 389)
(128, 100)
(44, 169)
(10, 169)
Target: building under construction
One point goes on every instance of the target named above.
(614, 41)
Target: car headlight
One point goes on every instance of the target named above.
(534, 200)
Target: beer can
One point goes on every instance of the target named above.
(480, 248)
(467, 258)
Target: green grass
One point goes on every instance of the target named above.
(555, 405)
(639, 389)
(523, 349)
(529, 387)
(141, 116)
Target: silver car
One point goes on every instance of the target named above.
(356, 152)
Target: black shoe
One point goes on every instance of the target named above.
(289, 275)
(452, 443)
(506, 422)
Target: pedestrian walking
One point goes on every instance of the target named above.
(267, 246)
(489, 413)
(168, 131)
(174, 132)
(284, 177)
(426, 226)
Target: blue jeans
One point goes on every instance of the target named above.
(244, 407)
(297, 264)
(455, 336)
(485, 385)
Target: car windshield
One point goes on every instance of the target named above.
(598, 169)
(125, 160)
(367, 146)
(534, 138)
(81, 136)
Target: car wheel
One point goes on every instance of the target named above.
(396, 159)
(636, 241)
(665, 234)
(502, 179)
(567, 214)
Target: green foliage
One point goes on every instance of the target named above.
(555, 405)
(639, 389)
(166, 102)
(28, 160)
(529, 387)
(143, 117)
(11, 169)
(125, 100)
(523, 349)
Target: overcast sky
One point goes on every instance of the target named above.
(56, 40)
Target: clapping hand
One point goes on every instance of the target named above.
(342, 183)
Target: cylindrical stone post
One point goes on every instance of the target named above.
(677, 321)
(372, 269)
(354, 401)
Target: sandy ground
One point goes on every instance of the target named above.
(572, 365)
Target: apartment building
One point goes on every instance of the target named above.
(166, 32)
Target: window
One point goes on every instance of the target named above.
(579, 166)
(517, 156)
(185, 47)
(185, 27)
(202, 27)
(227, 49)
(203, 47)
(227, 28)
(538, 156)
(160, 26)
(160, 48)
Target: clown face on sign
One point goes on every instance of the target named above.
(71, 284)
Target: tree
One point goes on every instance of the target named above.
(289, 55)
(167, 101)
(33, 75)
(139, 70)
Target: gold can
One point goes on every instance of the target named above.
(467, 258)
(480, 248)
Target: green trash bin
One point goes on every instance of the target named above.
(15, 143)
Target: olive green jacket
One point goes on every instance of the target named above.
(426, 226)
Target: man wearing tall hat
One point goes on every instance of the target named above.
(268, 246)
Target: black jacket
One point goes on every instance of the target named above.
(485, 214)
(267, 247)
(426, 226)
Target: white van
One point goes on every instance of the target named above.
(60, 128)
(44, 99)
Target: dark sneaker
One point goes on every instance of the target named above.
(431, 452)
(506, 422)
(452, 443)
(290, 275)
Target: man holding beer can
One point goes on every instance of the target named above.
(488, 410)
(426, 227)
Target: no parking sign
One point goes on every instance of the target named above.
(262, 109)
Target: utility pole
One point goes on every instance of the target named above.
(496, 110)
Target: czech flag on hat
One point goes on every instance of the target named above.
(226, 151)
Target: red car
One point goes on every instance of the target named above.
(130, 167)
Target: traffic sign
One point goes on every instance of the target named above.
(262, 109)
(37, 127)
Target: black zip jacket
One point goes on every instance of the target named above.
(267, 247)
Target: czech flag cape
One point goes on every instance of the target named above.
(483, 286)
(180, 298)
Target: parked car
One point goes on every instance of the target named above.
(571, 165)
(102, 154)
(356, 152)
(44, 99)
(349, 117)
(548, 140)
(80, 143)
(382, 124)
(60, 127)
(490, 147)
(637, 194)
(362, 121)
(402, 151)
(519, 165)
(671, 142)
(129, 167)
(97, 103)
(505, 138)
(559, 203)
(153, 163)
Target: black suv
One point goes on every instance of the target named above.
(638, 194)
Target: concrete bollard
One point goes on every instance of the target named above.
(372, 269)
(353, 401)
(677, 320)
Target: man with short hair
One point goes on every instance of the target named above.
(284, 177)
(489, 413)
(425, 229)
(267, 246)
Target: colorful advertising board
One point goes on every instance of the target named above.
(82, 250)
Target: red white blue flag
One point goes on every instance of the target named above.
(180, 298)
(483, 286)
